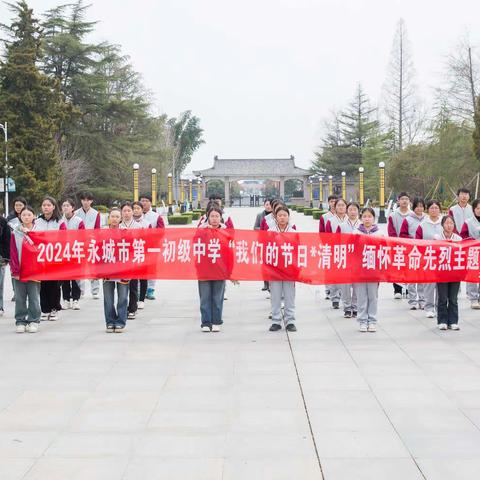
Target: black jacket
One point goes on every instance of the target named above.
(4, 239)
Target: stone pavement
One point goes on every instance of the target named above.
(166, 401)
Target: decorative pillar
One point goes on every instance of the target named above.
(190, 191)
(182, 191)
(381, 171)
(320, 193)
(136, 167)
(154, 187)
(311, 192)
(344, 185)
(361, 196)
(330, 185)
(170, 186)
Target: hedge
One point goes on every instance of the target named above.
(179, 219)
(308, 211)
(293, 207)
(318, 213)
(300, 208)
(196, 215)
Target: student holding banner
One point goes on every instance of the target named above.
(431, 229)
(27, 294)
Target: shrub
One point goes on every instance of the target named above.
(300, 208)
(196, 215)
(308, 211)
(179, 219)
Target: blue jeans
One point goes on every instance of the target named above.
(211, 301)
(116, 317)
(27, 292)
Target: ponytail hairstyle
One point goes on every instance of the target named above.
(56, 215)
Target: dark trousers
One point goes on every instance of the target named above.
(133, 296)
(143, 290)
(70, 290)
(447, 302)
(50, 296)
(397, 288)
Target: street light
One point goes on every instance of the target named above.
(4, 127)
(136, 166)
(154, 188)
(361, 196)
(344, 185)
(320, 193)
(169, 187)
(381, 217)
(330, 185)
(311, 192)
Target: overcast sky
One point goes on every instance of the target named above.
(262, 74)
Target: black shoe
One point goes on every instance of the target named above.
(264, 289)
(275, 327)
(347, 314)
(354, 314)
(336, 305)
(291, 327)
(413, 307)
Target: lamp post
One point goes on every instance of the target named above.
(169, 188)
(361, 196)
(381, 171)
(344, 185)
(330, 185)
(154, 187)
(199, 193)
(4, 127)
(320, 193)
(182, 191)
(136, 167)
(311, 192)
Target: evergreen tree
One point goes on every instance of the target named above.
(33, 106)
(476, 134)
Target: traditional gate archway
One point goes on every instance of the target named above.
(234, 169)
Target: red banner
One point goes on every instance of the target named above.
(205, 254)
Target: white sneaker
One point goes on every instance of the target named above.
(363, 328)
(66, 305)
(430, 314)
(397, 296)
(141, 305)
(32, 327)
(44, 316)
(215, 328)
(475, 305)
(131, 316)
(372, 327)
(95, 296)
(76, 305)
(442, 326)
(21, 329)
(454, 326)
(53, 316)
(206, 329)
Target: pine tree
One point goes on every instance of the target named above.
(33, 106)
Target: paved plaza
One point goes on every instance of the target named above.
(164, 401)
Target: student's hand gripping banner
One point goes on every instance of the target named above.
(207, 254)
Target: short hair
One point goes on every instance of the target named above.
(475, 203)
(29, 208)
(353, 204)
(86, 195)
(446, 217)
(215, 208)
(282, 208)
(70, 201)
(138, 204)
(417, 201)
(403, 194)
(331, 197)
(433, 202)
(215, 197)
(126, 204)
(340, 199)
(463, 190)
(368, 209)
(147, 196)
(21, 200)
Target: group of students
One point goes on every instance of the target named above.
(414, 219)
(36, 301)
